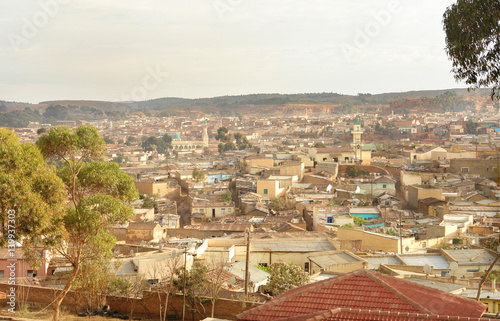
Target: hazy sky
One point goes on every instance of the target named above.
(143, 49)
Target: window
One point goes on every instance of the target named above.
(31, 273)
(306, 267)
(265, 190)
(222, 212)
(263, 264)
(384, 186)
(1, 274)
(329, 219)
(213, 212)
(202, 211)
(465, 169)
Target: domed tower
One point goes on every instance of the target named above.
(205, 134)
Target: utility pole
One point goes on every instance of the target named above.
(184, 287)
(400, 234)
(247, 272)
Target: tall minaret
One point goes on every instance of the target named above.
(205, 134)
(356, 133)
(356, 140)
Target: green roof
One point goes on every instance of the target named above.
(357, 122)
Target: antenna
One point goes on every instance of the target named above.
(453, 267)
(427, 269)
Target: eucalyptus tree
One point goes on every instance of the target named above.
(98, 192)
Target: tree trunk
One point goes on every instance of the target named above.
(60, 298)
(478, 297)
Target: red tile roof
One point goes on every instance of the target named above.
(344, 314)
(366, 290)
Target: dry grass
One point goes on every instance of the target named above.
(46, 315)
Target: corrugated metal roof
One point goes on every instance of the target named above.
(436, 261)
(301, 245)
(324, 261)
(374, 262)
(471, 256)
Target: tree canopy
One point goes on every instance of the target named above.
(30, 190)
(472, 30)
(99, 192)
(161, 145)
(285, 277)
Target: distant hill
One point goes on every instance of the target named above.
(16, 114)
(312, 98)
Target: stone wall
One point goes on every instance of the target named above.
(147, 306)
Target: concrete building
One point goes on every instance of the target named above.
(420, 192)
(486, 168)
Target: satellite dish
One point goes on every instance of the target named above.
(142, 243)
(131, 252)
(160, 246)
(453, 266)
(407, 248)
(447, 275)
(427, 269)
(369, 247)
(174, 253)
(353, 250)
(232, 280)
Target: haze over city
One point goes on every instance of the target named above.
(99, 50)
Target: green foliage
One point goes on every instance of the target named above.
(242, 141)
(108, 140)
(120, 159)
(319, 145)
(277, 204)
(391, 232)
(222, 134)
(457, 240)
(471, 127)
(226, 147)
(198, 175)
(150, 202)
(354, 171)
(42, 130)
(494, 275)
(31, 191)
(358, 221)
(19, 118)
(161, 145)
(195, 285)
(285, 277)
(99, 193)
(130, 140)
(263, 268)
(443, 245)
(56, 112)
(227, 196)
(472, 28)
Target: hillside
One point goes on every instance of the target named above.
(15, 114)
